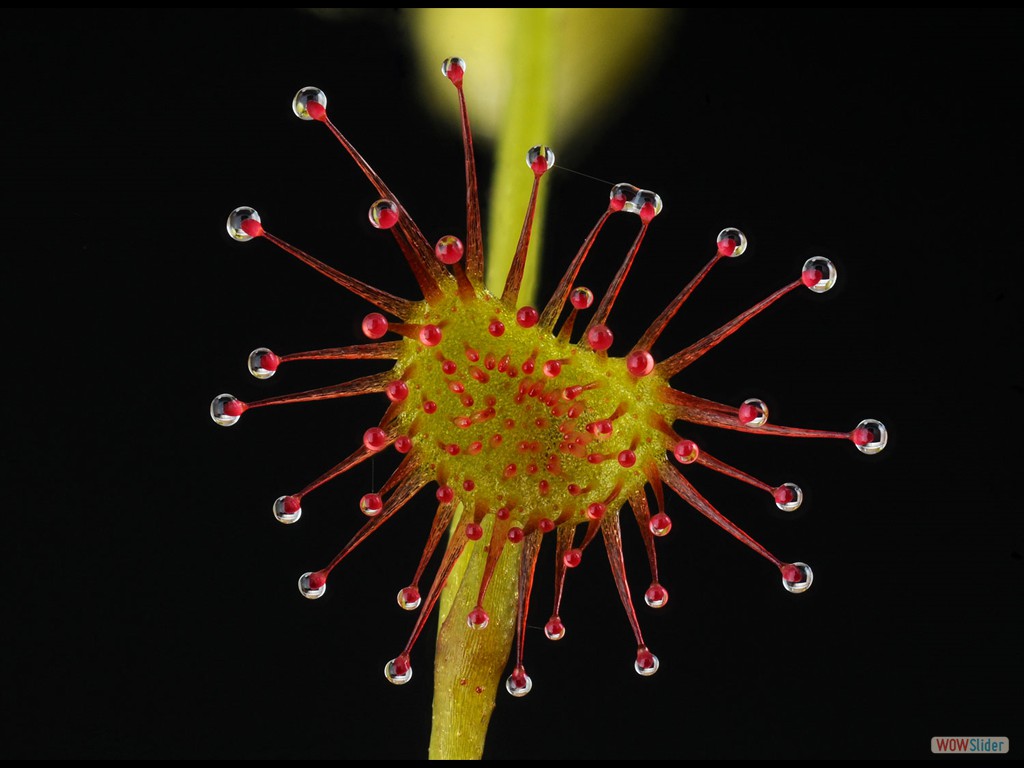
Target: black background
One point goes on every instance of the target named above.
(149, 607)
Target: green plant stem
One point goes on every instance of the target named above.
(528, 123)
(469, 663)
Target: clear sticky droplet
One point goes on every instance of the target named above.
(540, 159)
(788, 497)
(409, 598)
(731, 242)
(398, 670)
(753, 412)
(819, 274)
(581, 297)
(383, 214)
(478, 618)
(660, 524)
(686, 451)
(226, 410)
(263, 363)
(236, 224)
(797, 577)
(600, 338)
(870, 436)
(449, 249)
(454, 69)
(287, 509)
(371, 504)
(656, 596)
(554, 629)
(300, 104)
(312, 585)
(621, 198)
(647, 204)
(519, 683)
(646, 663)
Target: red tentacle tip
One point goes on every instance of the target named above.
(621, 197)
(572, 558)
(541, 159)
(454, 69)
(731, 242)
(600, 338)
(397, 391)
(310, 103)
(312, 585)
(383, 214)
(810, 277)
(237, 408)
(226, 410)
(640, 363)
(788, 497)
(581, 297)
(527, 317)
(288, 509)
(796, 577)
(519, 683)
(646, 663)
(375, 439)
(398, 670)
(449, 249)
(647, 205)
(371, 504)
(409, 598)
(243, 224)
(474, 532)
(686, 451)
(263, 363)
(870, 436)
(252, 227)
(375, 325)
(656, 596)
(660, 524)
(316, 110)
(554, 629)
(478, 618)
(430, 335)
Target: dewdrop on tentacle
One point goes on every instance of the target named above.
(521, 416)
